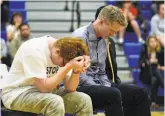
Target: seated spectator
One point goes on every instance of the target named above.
(151, 52)
(39, 67)
(154, 6)
(13, 27)
(157, 24)
(144, 22)
(4, 56)
(25, 35)
(130, 13)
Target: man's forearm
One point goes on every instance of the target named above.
(72, 82)
(52, 82)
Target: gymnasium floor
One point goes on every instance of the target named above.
(153, 114)
(157, 113)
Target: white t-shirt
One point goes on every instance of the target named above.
(10, 28)
(31, 60)
(157, 26)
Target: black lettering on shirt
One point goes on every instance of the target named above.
(51, 70)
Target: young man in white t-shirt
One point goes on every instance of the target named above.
(40, 67)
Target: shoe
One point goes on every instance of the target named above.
(154, 105)
(120, 41)
(141, 41)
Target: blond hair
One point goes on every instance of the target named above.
(71, 47)
(158, 46)
(113, 14)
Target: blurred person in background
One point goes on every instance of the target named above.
(25, 34)
(5, 57)
(157, 23)
(143, 21)
(154, 7)
(130, 12)
(152, 53)
(13, 28)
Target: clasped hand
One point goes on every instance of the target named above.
(80, 64)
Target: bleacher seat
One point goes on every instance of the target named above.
(17, 4)
(133, 61)
(147, 14)
(111, 2)
(130, 37)
(22, 11)
(68, 114)
(160, 91)
(140, 84)
(144, 4)
(3, 27)
(135, 75)
(7, 112)
(3, 35)
(132, 48)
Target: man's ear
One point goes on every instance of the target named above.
(58, 51)
(101, 21)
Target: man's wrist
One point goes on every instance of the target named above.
(75, 72)
(69, 65)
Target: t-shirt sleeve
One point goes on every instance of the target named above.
(9, 28)
(34, 66)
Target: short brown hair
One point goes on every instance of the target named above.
(71, 47)
(113, 14)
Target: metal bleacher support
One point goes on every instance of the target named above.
(54, 17)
